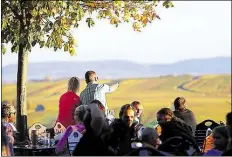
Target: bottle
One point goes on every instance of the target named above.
(34, 138)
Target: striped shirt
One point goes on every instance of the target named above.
(94, 91)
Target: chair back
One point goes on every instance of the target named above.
(201, 129)
(40, 129)
(73, 140)
(59, 128)
(208, 143)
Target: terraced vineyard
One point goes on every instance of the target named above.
(207, 96)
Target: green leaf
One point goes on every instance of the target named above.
(74, 43)
(76, 25)
(34, 13)
(15, 48)
(80, 13)
(73, 15)
(3, 49)
(66, 47)
(168, 4)
(38, 28)
(72, 51)
(33, 43)
(4, 24)
(90, 22)
(42, 43)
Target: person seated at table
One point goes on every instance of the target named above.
(220, 141)
(79, 126)
(91, 144)
(108, 118)
(68, 102)
(7, 148)
(8, 117)
(150, 136)
(123, 130)
(172, 126)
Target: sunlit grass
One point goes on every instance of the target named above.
(153, 93)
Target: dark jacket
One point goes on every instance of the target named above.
(120, 137)
(188, 117)
(175, 127)
(91, 145)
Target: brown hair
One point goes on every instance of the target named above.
(124, 108)
(179, 103)
(135, 103)
(90, 76)
(74, 84)
(166, 111)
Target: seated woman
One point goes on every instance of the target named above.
(8, 117)
(220, 140)
(79, 126)
(185, 114)
(68, 102)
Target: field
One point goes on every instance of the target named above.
(208, 96)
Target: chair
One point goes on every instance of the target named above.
(208, 143)
(201, 128)
(73, 140)
(40, 128)
(59, 128)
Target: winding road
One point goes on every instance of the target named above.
(181, 86)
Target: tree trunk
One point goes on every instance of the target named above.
(21, 119)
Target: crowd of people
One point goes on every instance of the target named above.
(104, 134)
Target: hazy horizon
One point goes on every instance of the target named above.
(183, 33)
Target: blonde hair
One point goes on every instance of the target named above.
(7, 109)
(74, 84)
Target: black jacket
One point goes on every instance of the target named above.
(91, 145)
(175, 127)
(120, 137)
(188, 117)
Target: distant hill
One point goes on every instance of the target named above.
(119, 69)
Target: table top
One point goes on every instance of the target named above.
(28, 147)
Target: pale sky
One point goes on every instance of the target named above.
(189, 30)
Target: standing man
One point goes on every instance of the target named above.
(95, 91)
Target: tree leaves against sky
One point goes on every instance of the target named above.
(48, 23)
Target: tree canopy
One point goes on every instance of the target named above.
(48, 23)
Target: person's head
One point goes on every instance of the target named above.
(164, 114)
(74, 84)
(150, 136)
(138, 108)
(91, 76)
(127, 114)
(229, 119)
(229, 129)
(8, 112)
(180, 104)
(79, 113)
(220, 137)
(99, 104)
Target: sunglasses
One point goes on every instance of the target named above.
(13, 113)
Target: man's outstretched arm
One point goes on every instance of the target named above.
(113, 87)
